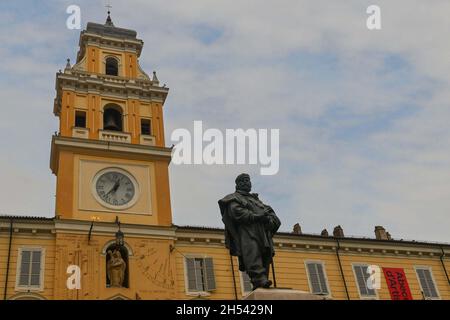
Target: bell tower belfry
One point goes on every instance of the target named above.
(109, 156)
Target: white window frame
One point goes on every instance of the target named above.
(324, 275)
(432, 278)
(42, 271)
(186, 279)
(241, 279)
(363, 297)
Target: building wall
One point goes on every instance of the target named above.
(291, 269)
(157, 261)
(74, 187)
(151, 275)
(26, 240)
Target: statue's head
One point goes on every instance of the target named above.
(117, 254)
(243, 182)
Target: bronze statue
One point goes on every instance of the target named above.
(249, 228)
(116, 269)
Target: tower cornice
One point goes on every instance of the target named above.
(109, 36)
(124, 150)
(105, 85)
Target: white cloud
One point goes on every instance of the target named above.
(380, 158)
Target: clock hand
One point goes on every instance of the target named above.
(117, 185)
(114, 188)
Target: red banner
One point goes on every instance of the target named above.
(397, 284)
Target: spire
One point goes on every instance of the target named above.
(108, 19)
(155, 78)
(68, 66)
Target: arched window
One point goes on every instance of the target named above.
(117, 267)
(112, 67)
(112, 118)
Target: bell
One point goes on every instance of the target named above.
(110, 123)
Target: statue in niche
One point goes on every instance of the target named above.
(115, 268)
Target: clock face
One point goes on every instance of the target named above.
(115, 188)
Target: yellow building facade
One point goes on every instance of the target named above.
(111, 166)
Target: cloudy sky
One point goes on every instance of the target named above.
(364, 116)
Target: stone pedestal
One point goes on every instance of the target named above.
(281, 294)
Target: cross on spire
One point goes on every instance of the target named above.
(109, 20)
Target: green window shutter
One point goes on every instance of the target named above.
(361, 278)
(24, 277)
(322, 280)
(246, 282)
(210, 281)
(431, 285)
(199, 278)
(35, 279)
(427, 283)
(314, 278)
(317, 278)
(359, 272)
(423, 283)
(30, 268)
(191, 274)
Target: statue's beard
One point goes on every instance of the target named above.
(244, 187)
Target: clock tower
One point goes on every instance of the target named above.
(109, 156)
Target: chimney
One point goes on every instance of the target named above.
(297, 229)
(381, 234)
(338, 232)
(324, 233)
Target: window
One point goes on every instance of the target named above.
(112, 67)
(317, 278)
(200, 275)
(427, 283)
(146, 127)
(80, 119)
(30, 271)
(361, 276)
(112, 118)
(246, 284)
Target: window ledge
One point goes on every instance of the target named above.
(326, 296)
(29, 289)
(80, 132)
(368, 297)
(148, 140)
(199, 294)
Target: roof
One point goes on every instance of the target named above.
(110, 30)
(37, 218)
(286, 234)
(310, 235)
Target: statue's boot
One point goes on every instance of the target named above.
(261, 283)
(267, 284)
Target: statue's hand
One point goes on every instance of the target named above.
(260, 217)
(266, 219)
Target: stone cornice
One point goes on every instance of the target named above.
(191, 237)
(124, 149)
(119, 87)
(105, 228)
(121, 43)
(348, 246)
